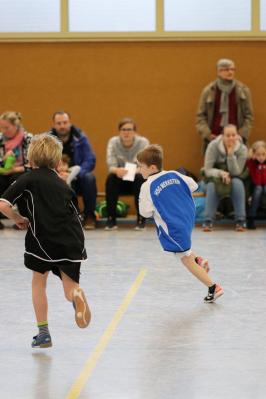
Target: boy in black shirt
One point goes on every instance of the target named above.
(54, 240)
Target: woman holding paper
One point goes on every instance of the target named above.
(123, 175)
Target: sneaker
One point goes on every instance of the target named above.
(213, 293)
(207, 226)
(42, 341)
(203, 263)
(82, 311)
(140, 226)
(240, 225)
(111, 224)
(89, 223)
(1, 226)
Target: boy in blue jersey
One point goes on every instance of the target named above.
(166, 196)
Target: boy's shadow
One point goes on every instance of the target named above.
(41, 376)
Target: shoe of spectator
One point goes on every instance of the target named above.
(89, 223)
(1, 226)
(251, 224)
(240, 225)
(207, 226)
(140, 226)
(111, 224)
(213, 293)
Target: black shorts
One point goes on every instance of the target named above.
(71, 269)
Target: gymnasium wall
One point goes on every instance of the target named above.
(156, 83)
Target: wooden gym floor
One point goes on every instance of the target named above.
(151, 335)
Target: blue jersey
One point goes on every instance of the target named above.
(166, 196)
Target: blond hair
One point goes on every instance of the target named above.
(45, 151)
(258, 144)
(151, 155)
(13, 117)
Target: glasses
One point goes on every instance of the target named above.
(127, 129)
(231, 69)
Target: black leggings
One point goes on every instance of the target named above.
(115, 186)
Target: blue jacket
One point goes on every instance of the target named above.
(83, 153)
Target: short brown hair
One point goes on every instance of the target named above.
(66, 159)
(151, 155)
(62, 112)
(45, 151)
(124, 121)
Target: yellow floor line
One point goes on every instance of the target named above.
(105, 338)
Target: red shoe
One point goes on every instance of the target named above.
(203, 263)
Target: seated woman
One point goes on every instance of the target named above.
(224, 166)
(14, 142)
(123, 149)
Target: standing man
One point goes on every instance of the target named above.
(121, 149)
(78, 149)
(222, 102)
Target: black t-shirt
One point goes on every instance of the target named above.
(55, 232)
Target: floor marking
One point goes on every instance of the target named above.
(105, 338)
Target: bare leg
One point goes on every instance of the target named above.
(69, 285)
(39, 298)
(75, 294)
(196, 270)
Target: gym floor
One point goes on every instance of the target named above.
(151, 335)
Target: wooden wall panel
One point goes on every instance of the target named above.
(156, 83)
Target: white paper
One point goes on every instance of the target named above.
(131, 171)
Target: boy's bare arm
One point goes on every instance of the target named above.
(7, 210)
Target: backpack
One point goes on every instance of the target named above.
(121, 209)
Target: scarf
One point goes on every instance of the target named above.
(15, 145)
(226, 87)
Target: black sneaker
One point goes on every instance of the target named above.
(140, 226)
(213, 293)
(111, 224)
(240, 225)
(1, 226)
